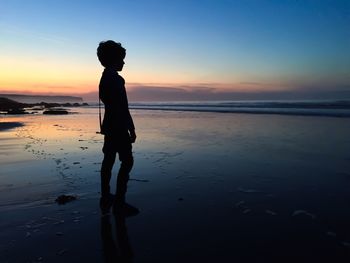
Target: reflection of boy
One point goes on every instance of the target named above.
(117, 126)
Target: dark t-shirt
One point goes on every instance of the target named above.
(117, 118)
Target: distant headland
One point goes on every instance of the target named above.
(42, 98)
(24, 104)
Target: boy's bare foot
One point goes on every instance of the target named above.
(106, 202)
(124, 209)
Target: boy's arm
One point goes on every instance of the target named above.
(129, 120)
(107, 91)
(132, 135)
(131, 126)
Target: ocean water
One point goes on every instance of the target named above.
(331, 108)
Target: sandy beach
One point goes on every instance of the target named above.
(211, 187)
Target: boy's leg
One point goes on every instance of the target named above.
(127, 161)
(107, 165)
(106, 173)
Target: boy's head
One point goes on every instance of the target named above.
(111, 54)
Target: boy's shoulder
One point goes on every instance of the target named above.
(112, 76)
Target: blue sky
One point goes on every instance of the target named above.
(234, 46)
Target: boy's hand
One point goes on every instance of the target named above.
(132, 136)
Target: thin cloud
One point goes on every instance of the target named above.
(14, 30)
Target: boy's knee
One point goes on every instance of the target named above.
(128, 161)
(109, 158)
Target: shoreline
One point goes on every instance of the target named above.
(251, 111)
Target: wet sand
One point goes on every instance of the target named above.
(211, 187)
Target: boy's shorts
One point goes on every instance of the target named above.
(120, 144)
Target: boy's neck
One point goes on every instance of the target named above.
(111, 70)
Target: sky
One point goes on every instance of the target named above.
(179, 50)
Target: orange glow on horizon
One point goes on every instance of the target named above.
(54, 76)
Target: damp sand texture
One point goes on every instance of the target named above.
(211, 187)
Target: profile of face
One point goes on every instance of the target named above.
(118, 66)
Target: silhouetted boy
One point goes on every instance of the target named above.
(117, 126)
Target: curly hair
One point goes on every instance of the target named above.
(110, 52)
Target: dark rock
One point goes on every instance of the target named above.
(16, 111)
(63, 199)
(56, 112)
(49, 105)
